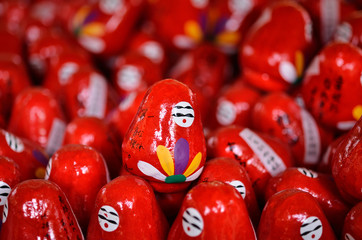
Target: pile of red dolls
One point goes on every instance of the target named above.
(181, 119)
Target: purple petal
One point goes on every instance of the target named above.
(40, 157)
(181, 154)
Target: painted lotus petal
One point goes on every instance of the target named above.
(150, 171)
(194, 165)
(195, 175)
(165, 158)
(181, 154)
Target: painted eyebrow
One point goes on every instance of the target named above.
(306, 233)
(108, 220)
(4, 186)
(182, 115)
(180, 107)
(306, 224)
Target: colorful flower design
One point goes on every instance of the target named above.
(210, 26)
(175, 169)
(84, 23)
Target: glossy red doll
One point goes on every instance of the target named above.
(165, 143)
(212, 210)
(332, 86)
(41, 51)
(326, 15)
(149, 46)
(62, 68)
(196, 21)
(277, 47)
(320, 186)
(234, 106)
(13, 79)
(80, 171)
(120, 118)
(38, 209)
(229, 171)
(94, 132)
(325, 165)
(9, 177)
(279, 115)
(352, 229)
(31, 158)
(134, 72)
(347, 164)
(204, 71)
(37, 116)
(262, 156)
(350, 30)
(126, 208)
(294, 214)
(103, 27)
(87, 93)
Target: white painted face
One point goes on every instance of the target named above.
(192, 222)
(4, 192)
(153, 51)
(66, 71)
(183, 114)
(225, 113)
(287, 71)
(5, 211)
(348, 237)
(311, 229)
(199, 3)
(129, 78)
(308, 173)
(48, 169)
(92, 44)
(108, 218)
(14, 143)
(110, 6)
(238, 185)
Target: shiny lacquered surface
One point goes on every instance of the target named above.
(293, 214)
(268, 61)
(229, 171)
(37, 115)
(212, 210)
(277, 114)
(320, 186)
(347, 164)
(352, 228)
(94, 132)
(261, 155)
(31, 158)
(165, 142)
(38, 209)
(332, 86)
(80, 171)
(126, 208)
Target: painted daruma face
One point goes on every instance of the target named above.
(108, 218)
(183, 114)
(192, 222)
(311, 229)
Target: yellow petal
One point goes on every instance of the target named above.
(299, 63)
(228, 38)
(357, 112)
(193, 30)
(93, 29)
(80, 16)
(194, 165)
(165, 158)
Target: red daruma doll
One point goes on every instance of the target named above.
(165, 143)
